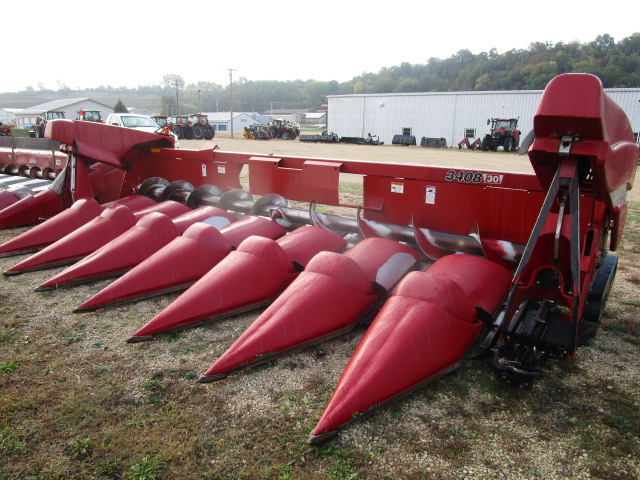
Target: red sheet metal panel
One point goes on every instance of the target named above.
(454, 207)
(311, 180)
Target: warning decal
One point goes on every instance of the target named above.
(430, 196)
(397, 187)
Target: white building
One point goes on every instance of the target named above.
(222, 120)
(69, 106)
(315, 118)
(7, 115)
(449, 115)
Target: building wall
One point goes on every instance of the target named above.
(222, 122)
(445, 115)
(28, 117)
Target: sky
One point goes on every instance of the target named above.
(84, 44)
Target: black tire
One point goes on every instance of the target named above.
(285, 135)
(188, 133)
(198, 132)
(209, 133)
(486, 144)
(508, 144)
(179, 132)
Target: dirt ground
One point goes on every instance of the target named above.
(377, 153)
(77, 402)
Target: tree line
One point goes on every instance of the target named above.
(617, 64)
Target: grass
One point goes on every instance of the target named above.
(77, 402)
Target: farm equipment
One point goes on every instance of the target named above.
(282, 129)
(200, 127)
(322, 138)
(504, 133)
(475, 145)
(403, 140)
(256, 132)
(5, 130)
(424, 267)
(164, 122)
(182, 127)
(432, 142)
(89, 115)
(41, 122)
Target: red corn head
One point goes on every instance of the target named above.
(152, 232)
(421, 333)
(7, 198)
(170, 208)
(329, 298)
(31, 209)
(66, 222)
(180, 263)
(111, 223)
(250, 277)
(54, 228)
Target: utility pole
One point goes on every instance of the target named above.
(178, 87)
(231, 70)
(199, 106)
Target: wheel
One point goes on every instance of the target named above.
(285, 135)
(209, 133)
(508, 144)
(198, 132)
(188, 133)
(179, 132)
(486, 144)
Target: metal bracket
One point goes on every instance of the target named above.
(566, 143)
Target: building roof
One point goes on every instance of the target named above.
(59, 104)
(312, 115)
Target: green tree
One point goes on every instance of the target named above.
(120, 107)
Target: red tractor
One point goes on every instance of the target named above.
(89, 115)
(201, 128)
(41, 122)
(504, 133)
(164, 122)
(5, 130)
(182, 127)
(283, 129)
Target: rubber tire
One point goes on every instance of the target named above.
(198, 132)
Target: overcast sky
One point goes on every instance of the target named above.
(83, 44)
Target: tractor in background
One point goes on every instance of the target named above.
(504, 133)
(41, 122)
(182, 127)
(164, 122)
(89, 115)
(200, 126)
(283, 129)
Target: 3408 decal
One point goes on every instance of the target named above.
(473, 177)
